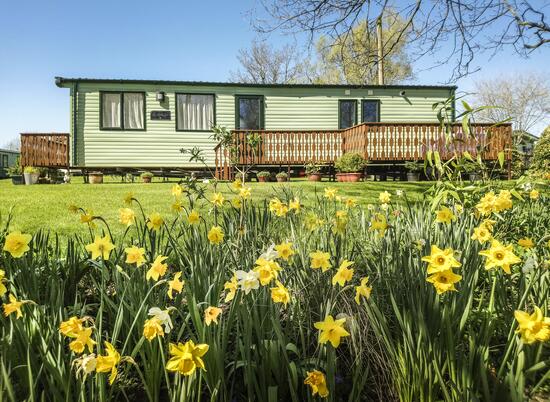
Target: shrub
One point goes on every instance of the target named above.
(263, 173)
(312, 168)
(282, 175)
(540, 165)
(16, 168)
(147, 175)
(350, 162)
(414, 167)
(31, 170)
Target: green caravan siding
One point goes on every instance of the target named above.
(12, 158)
(286, 108)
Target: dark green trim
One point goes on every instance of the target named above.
(363, 101)
(340, 101)
(237, 110)
(453, 112)
(61, 81)
(75, 116)
(122, 128)
(193, 93)
(5, 161)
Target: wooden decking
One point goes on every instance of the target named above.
(45, 150)
(377, 142)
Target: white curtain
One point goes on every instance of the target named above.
(195, 112)
(133, 111)
(111, 110)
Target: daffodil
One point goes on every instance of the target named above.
(444, 215)
(295, 205)
(100, 248)
(158, 269)
(318, 383)
(280, 294)
(534, 194)
(499, 255)
(163, 316)
(108, 362)
(155, 221)
(86, 363)
(211, 315)
(362, 290)
(186, 358)
(237, 203)
(193, 218)
(440, 260)
(152, 328)
(444, 281)
(384, 197)
(330, 193)
(175, 285)
(72, 326)
(344, 273)
(245, 193)
(87, 217)
(379, 223)
(526, 243)
(503, 201)
(217, 199)
(135, 255)
(177, 206)
(247, 281)
(127, 216)
(267, 270)
(14, 306)
(285, 250)
(486, 205)
(17, 244)
(533, 327)
(237, 184)
(350, 202)
(3, 288)
(176, 190)
(82, 340)
(215, 235)
(320, 259)
(231, 288)
(481, 234)
(312, 222)
(128, 198)
(331, 330)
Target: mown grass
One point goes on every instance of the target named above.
(46, 206)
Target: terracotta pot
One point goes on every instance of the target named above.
(263, 179)
(349, 177)
(146, 179)
(95, 178)
(282, 179)
(314, 177)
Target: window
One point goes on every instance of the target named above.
(249, 112)
(347, 113)
(123, 111)
(195, 112)
(4, 160)
(370, 111)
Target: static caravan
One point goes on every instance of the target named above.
(143, 124)
(8, 158)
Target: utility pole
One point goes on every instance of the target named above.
(380, 50)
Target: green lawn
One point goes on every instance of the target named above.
(46, 206)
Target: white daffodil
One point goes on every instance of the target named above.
(163, 316)
(270, 253)
(247, 281)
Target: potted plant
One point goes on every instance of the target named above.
(281, 177)
(147, 177)
(473, 170)
(413, 170)
(31, 174)
(263, 176)
(349, 167)
(15, 173)
(313, 171)
(95, 177)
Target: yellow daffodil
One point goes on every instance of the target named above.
(526, 243)
(14, 306)
(384, 197)
(237, 184)
(267, 270)
(72, 326)
(135, 255)
(128, 198)
(73, 208)
(444, 281)
(481, 234)
(175, 285)
(217, 199)
(486, 205)
(295, 205)
(444, 215)
(534, 194)
(350, 202)
(440, 260)
(330, 193)
(280, 294)
(177, 206)
(318, 383)
(211, 315)
(277, 207)
(3, 288)
(87, 217)
(176, 190)
(533, 327)
(152, 328)
(459, 208)
(215, 235)
(82, 340)
(109, 362)
(344, 274)
(331, 330)
(245, 193)
(499, 256)
(488, 224)
(362, 290)
(193, 218)
(503, 201)
(285, 250)
(312, 222)
(127, 216)
(158, 269)
(155, 221)
(186, 358)
(379, 223)
(320, 259)
(237, 203)
(17, 244)
(100, 248)
(231, 287)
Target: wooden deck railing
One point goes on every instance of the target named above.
(45, 150)
(377, 142)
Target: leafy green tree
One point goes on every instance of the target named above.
(540, 164)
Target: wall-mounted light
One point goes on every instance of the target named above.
(402, 93)
(160, 96)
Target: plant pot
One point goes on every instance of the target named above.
(314, 177)
(282, 179)
(31, 178)
(349, 177)
(95, 178)
(263, 179)
(146, 179)
(413, 176)
(17, 179)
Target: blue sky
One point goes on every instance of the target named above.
(180, 40)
